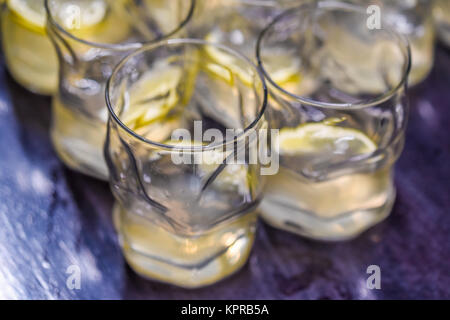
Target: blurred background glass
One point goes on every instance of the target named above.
(91, 37)
(342, 118)
(29, 54)
(236, 23)
(442, 17)
(414, 19)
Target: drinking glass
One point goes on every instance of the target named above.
(29, 54)
(190, 222)
(414, 19)
(91, 37)
(342, 117)
(441, 13)
(235, 23)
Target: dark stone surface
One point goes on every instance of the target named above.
(51, 218)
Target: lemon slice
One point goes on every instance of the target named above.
(153, 96)
(145, 114)
(70, 14)
(30, 12)
(220, 71)
(320, 137)
(226, 61)
(282, 66)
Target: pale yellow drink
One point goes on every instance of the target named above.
(333, 210)
(337, 207)
(191, 261)
(30, 56)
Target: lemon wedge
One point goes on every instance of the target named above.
(320, 137)
(226, 64)
(282, 66)
(221, 72)
(153, 96)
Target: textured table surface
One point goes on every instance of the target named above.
(51, 218)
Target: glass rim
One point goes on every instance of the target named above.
(262, 3)
(326, 4)
(118, 46)
(251, 127)
(265, 3)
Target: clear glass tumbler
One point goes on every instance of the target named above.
(91, 37)
(29, 54)
(441, 13)
(235, 23)
(342, 117)
(190, 221)
(414, 19)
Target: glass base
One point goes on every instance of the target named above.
(184, 261)
(307, 224)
